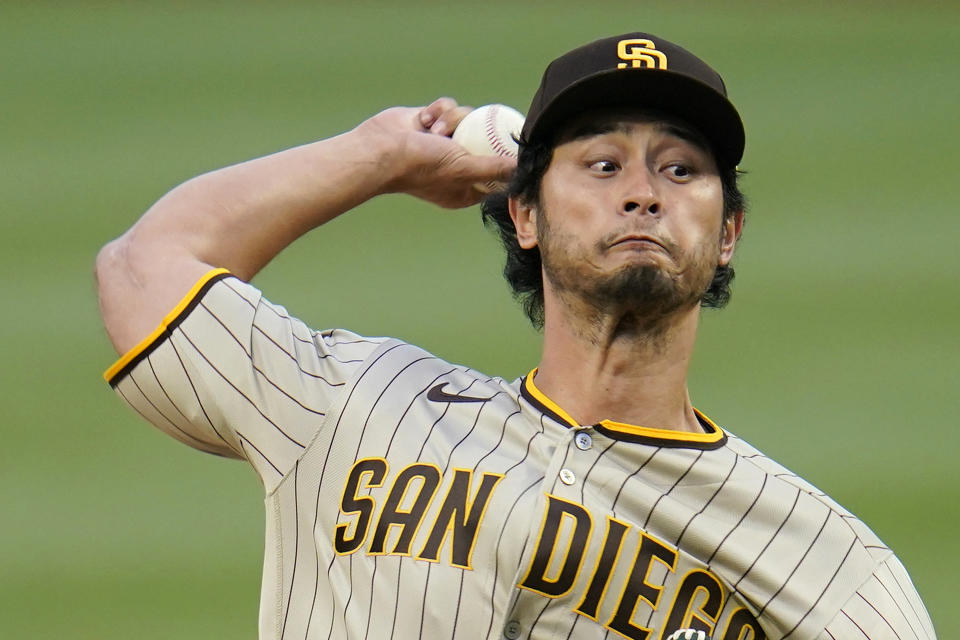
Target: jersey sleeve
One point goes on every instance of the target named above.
(229, 373)
(885, 607)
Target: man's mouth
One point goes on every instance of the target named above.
(638, 241)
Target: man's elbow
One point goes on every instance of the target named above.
(112, 274)
(106, 261)
(138, 282)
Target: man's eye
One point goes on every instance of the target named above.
(604, 166)
(679, 171)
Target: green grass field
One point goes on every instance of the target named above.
(838, 354)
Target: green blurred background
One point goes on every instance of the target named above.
(838, 355)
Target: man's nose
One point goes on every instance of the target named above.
(640, 195)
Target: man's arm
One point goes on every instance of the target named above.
(242, 216)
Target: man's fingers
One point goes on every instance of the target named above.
(434, 167)
(430, 114)
(491, 168)
(448, 120)
(504, 168)
(442, 116)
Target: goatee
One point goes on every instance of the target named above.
(641, 296)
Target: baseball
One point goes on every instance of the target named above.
(490, 130)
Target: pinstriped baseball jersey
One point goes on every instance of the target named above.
(412, 498)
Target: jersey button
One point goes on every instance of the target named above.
(583, 441)
(512, 630)
(567, 477)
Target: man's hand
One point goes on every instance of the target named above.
(424, 162)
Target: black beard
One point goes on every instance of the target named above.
(642, 297)
(643, 289)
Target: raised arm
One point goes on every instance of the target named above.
(240, 217)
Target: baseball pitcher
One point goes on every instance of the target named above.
(409, 497)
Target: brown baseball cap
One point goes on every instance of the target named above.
(637, 70)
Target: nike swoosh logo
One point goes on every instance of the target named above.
(437, 394)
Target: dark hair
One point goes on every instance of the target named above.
(523, 269)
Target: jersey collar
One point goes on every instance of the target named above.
(713, 438)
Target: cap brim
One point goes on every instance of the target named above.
(675, 94)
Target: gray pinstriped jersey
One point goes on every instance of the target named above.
(411, 498)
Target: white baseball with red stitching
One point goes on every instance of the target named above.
(490, 130)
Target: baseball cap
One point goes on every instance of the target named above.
(637, 70)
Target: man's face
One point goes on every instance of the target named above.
(630, 217)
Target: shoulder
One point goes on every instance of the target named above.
(780, 474)
(801, 552)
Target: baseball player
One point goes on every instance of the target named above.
(408, 497)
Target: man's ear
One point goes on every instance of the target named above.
(732, 228)
(524, 218)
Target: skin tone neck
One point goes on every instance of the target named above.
(596, 373)
(628, 196)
